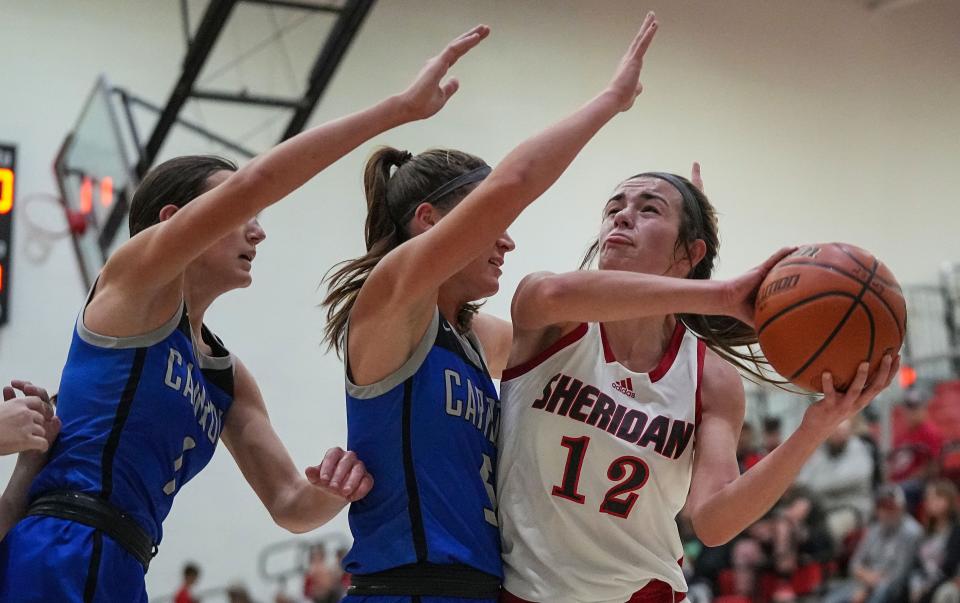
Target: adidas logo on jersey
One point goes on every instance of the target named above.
(625, 386)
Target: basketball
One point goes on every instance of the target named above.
(829, 307)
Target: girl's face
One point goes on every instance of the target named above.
(641, 223)
(226, 265)
(481, 277)
(935, 504)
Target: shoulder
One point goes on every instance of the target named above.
(721, 387)
(495, 335)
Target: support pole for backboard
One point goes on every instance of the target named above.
(344, 30)
(214, 19)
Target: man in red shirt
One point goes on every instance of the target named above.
(916, 450)
(191, 573)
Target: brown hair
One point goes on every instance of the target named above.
(946, 489)
(722, 334)
(174, 182)
(392, 197)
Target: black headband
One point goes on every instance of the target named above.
(475, 175)
(470, 177)
(685, 191)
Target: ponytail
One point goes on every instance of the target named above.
(395, 183)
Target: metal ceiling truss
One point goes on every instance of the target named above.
(349, 18)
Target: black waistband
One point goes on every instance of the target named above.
(427, 580)
(97, 513)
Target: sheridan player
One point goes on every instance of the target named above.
(621, 405)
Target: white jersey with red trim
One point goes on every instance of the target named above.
(595, 465)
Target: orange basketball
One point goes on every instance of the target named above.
(829, 307)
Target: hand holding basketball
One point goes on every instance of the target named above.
(740, 293)
(835, 407)
(342, 474)
(427, 95)
(829, 307)
(626, 86)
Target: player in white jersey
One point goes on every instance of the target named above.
(621, 406)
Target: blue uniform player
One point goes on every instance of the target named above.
(116, 395)
(428, 432)
(436, 240)
(147, 390)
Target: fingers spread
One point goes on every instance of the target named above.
(859, 381)
(450, 88)
(827, 384)
(647, 31)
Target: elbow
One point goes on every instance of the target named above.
(712, 539)
(290, 522)
(710, 533)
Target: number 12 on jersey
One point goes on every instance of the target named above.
(628, 472)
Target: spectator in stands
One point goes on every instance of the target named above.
(940, 520)
(883, 558)
(867, 427)
(319, 584)
(343, 577)
(772, 434)
(237, 593)
(191, 574)
(801, 536)
(840, 473)
(747, 453)
(949, 589)
(916, 450)
(792, 537)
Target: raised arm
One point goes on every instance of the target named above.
(159, 254)
(545, 299)
(723, 503)
(523, 175)
(296, 502)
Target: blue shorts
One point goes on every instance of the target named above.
(44, 559)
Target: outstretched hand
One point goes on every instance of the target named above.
(740, 293)
(626, 85)
(427, 94)
(342, 474)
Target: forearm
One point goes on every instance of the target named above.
(517, 181)
(280, 171)
(304, 507)
(611, 295)
(743, 501)
(13, 501)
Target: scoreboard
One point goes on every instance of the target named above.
(8, 177)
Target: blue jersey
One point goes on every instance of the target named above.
(141, 416)
(428, 435)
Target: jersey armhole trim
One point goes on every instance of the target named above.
(701, 354)
(565, 341)
(407, 370)
(143, 340)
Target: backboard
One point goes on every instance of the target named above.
(95, 175)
